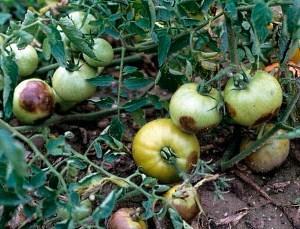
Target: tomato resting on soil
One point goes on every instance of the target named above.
(160, 149)
(182, 197)
(270, 156)
(192, 111)
(255, 104)
(126, 218)
(33, 99)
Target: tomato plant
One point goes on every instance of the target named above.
(258, 101)
(199, 111)
(121, 97)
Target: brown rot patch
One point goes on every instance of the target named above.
(266, 117)
(230, 110)
(36, 97)
(192, 160)
(188, 124)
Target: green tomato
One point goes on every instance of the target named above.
(182, 197)
(270, 156)
(82, 22)
(26, 59)
(80, 212)
(192, 111)
(125, 218)
(257, 103)
(103, 51)
(33, 99)
(159, 141)
(73, 86)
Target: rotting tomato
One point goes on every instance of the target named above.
(162, 150)
(103, 51)
(192, 111)
(82, 21)
(126, 218)
(295, 54)
(271, 155)
(257, 102)
(274, 69)
(33, 99)
(182, 197)
(72, 86)
(26, 59)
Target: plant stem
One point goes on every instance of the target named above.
(17, 134)
(232, 42)
(120, 80)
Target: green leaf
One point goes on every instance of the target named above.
(293, 17)
(58, 147)
(103, 102)
(136, 104)
(98, 150)
(76, 37)
(231, 10)
(9, 198)
(56, 44)
(148, 207)
(4, 17)
(13, 152)
(261, 16)
(175, 219)
(10, 71)
(134, 83)
(116, 128)
(138, 117)
(102, 81)
(107, 206)
(112, 142)
(164, 44)
(151, 13)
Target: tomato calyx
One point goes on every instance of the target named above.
(204, 88)
(241, 80)
(73, 66)
(168, 155)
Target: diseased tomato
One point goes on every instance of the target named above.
(73, 86)
(103, 52)
(257, 103)
(192, 111)
(182, 197)
(26, 59)
(160, 143)
(82, 22)
(126, 218)
(33, 99)
(80, 212)
(271, 155)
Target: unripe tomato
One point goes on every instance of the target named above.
(125, 218)
(73, 86)
(80, 212)
(192, 111)
(26, 59)
(83, 25)
(1, 40)
(159, 142)
(258, 102)
(271, 155)
(183, 199)
(103, 52)
(33, 99)
(63, 105)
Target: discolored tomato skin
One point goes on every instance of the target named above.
(103, 51)
(270, 156)
(26, 59)
(73, 86)
(183, 199)
(160, 133)
(123, 219)
(192, 111)
(257, 103)
(295, 53)
(33, 99)
(82, 23)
